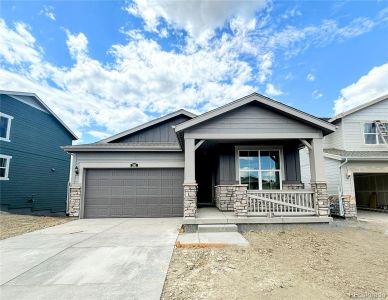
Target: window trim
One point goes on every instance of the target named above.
(260, 148)
(8, 158)
(8, 133)
(376, 134)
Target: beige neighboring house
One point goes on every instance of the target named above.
(356, 159)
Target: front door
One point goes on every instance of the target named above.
(204, 171)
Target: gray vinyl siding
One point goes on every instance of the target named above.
(335, 139)
(38, 166)
(305, 167)
(160, 133)
(353, 126)
(332, 173)
(252, 119)
(125, 158)
(226, 170)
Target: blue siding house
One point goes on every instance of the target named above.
(34, 170)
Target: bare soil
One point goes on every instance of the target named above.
(343, 260)
(13, 224)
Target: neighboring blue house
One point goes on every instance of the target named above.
(34, 170)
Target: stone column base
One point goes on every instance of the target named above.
(241, 201)
(190, 199)
(74, 200)
(348, 205)
(322, 198)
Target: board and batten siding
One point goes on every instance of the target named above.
(39, 168)
(159, 133)
(252, 119)
(353, 127)
(124, 159)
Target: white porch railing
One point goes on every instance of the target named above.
(281, 203)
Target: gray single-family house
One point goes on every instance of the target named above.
(34, 170)
(241, 158)
(356, 159)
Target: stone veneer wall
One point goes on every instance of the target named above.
(74, 200)
(232, 197)
(190, 199)
(320, 191)
(241, 201)
(348, 203)
(224, 196)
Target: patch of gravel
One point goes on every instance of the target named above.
(299, 263)
(13, 224)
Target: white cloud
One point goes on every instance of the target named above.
(316, 94)
(198, 18)
(310, 77)
(368, 87)
(18, 45)
(272, 91)
(99, 134)
(77, 44)
(48, 11)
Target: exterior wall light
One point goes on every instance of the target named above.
(76, 170)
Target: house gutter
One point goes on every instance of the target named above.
(340, 192)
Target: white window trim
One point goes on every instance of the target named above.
(377, 134)
(8, 158)
(260, 148)
(10, 118)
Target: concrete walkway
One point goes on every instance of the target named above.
(89, 259)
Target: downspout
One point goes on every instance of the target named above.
(340, 191)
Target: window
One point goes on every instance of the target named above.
(260, 169)
(4, 166)
(372, 135)
(5, 127)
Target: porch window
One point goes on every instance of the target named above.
(260, 169)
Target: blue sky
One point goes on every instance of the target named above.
(106, 66)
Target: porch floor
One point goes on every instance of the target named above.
(212, 215)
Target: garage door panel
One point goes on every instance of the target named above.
(133, 193)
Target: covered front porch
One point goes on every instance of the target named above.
(243, 159)
(252, 181)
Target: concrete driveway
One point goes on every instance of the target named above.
(89, 259)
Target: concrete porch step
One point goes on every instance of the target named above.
(217, 228)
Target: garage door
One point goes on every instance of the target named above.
(113, 193)
(371, 190)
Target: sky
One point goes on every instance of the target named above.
(107, 66)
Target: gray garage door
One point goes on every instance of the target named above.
(133, 193)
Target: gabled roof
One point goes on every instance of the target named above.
(42, 104)
(357, 108)
(255, 97)
(148, 124)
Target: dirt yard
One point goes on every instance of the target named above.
(12, 224)
(345, 260)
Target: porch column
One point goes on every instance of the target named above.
(318, 179)
(190, 186)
